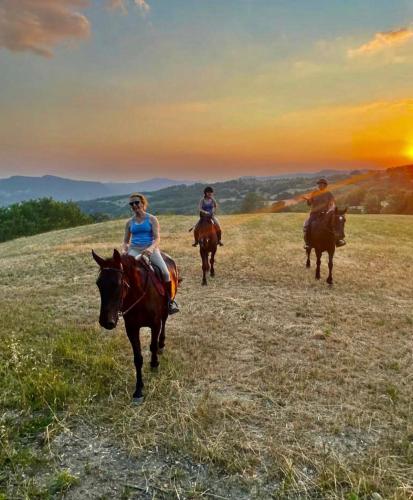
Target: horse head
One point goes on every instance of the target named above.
(110, 284)
(339, 221)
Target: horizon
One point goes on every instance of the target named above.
(195, 181)
(216, 90)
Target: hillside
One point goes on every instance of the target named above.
(374, 191)
(230, 195)
(21, 188)
(272, 385)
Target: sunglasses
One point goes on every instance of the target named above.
(132, 203)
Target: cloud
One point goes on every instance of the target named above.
(381, 42)
(122, 5)
(39, 25)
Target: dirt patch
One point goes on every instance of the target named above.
(104, 470)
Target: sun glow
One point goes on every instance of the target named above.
(409, 152)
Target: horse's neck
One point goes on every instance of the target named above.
(134, 273)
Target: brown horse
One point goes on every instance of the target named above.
(130, 288)
(325, 229)
(208, 242)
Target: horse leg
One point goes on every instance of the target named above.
(307, 264)
(317, 271)
(205, 266)
(133, 336)
(162, 336)
(330, 267)
(155, 335)
(212, 261)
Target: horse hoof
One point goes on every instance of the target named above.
(317, 277)
(330, 282)
(307, 265)
(154, 369)
(137, 401)
(161, 350)
(204, 283)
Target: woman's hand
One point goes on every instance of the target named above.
(124, 249)
(148, 251)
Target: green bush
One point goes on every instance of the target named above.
(39, 216)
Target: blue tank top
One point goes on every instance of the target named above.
(208, 205)
(142, 233)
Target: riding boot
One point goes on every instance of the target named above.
(196, 236)
(172, 305)
(307, 241)
(340, 243)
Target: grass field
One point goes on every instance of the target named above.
(272, 385)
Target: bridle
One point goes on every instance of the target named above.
(124, 284)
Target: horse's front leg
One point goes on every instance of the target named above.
(133, 336)
(205, 265)
(307, 264)
(212, 262)
(317, 271)
(330, 267)
(156, 330)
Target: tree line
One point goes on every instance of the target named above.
(38, 216)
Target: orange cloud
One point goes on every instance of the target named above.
(382, 41)
(38, 25)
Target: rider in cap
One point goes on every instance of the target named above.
(321, 200)
(207, 207)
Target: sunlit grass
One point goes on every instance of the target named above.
(277, 382)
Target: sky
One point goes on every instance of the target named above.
(127, 90)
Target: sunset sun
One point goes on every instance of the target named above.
(409, 151)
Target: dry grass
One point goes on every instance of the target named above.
(277, 385)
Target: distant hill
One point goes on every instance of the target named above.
(321, 173)
(21, 188)
(230, 195)
(363, 191)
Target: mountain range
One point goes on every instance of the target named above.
(21, 188)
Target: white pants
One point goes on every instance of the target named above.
(156, 259)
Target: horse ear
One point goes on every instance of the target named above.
(345, 210)
(98, 259)
(116, 256)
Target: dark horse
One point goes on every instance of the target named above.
(208, 242)
(325, 229)
(130, 288)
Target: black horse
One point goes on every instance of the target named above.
(208, 241)
(130, 288)
(325, 229)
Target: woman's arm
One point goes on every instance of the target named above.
(156, 235)
(126, 238)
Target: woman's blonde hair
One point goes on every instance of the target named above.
(141, 197)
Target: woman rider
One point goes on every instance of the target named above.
(207, 207)
(142, 238)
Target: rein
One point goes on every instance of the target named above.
(123, 313)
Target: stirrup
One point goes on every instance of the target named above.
(340, 243)
(195, 244)
(220, 243)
